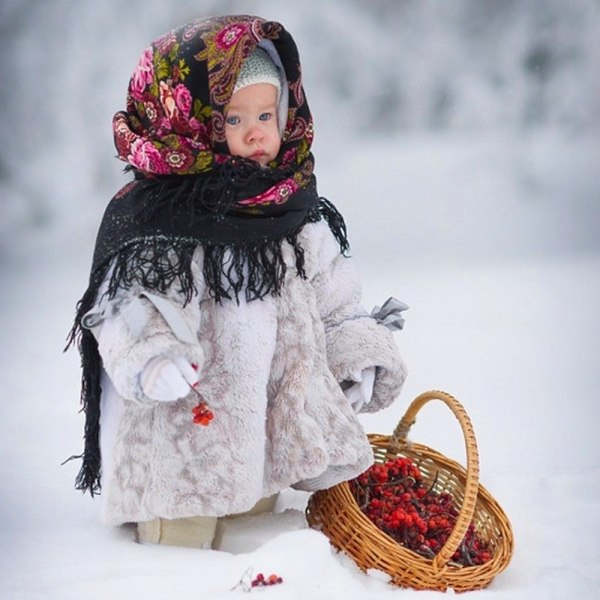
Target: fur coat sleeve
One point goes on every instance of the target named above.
(135, 326)
(354, 340)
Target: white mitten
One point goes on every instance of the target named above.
(361, 391)
(167, 379)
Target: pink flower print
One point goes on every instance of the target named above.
(192, 29)
(167, 100)
(277, 194)
(196, 127)
(289, 156)
(146, 157)
(200, 143)
(123, 145)
(164, 43)
(199, 131)
(142, 75)
(183, 99)
(164, 126)
(121, 127)
(151, 112)
(229, 35)
(284, 190)
(177, 104)
(178, 160)
(123, 135)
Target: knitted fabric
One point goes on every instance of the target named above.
(258, 68)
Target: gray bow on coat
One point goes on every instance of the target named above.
(390, 314)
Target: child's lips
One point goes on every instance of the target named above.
(258, 154)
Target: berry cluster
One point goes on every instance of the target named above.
(260, 579)
(394, 497)
(202, 414)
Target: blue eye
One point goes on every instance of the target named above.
(265, 116)
(232, 120)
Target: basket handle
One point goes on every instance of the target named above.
(465, 516)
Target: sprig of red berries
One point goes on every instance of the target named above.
(260, 580)
(247, 582)
(202, 414)
(395, 498)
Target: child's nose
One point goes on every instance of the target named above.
(254, 134)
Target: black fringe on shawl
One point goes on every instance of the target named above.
(329, 213)
(214, 193)
(88, 478)
(157, 264)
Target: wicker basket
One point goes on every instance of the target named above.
(337, 514)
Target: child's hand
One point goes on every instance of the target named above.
(166, 379)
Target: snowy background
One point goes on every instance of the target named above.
(461, 141)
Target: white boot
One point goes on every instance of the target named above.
(190, 532)
(228, 527)
(194, 532)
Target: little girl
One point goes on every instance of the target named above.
(224, 348)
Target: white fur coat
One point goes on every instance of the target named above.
(270, 371)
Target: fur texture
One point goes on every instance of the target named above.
(269, 369)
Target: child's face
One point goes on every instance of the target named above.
(251, 124)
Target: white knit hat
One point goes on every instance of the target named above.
(258, 68)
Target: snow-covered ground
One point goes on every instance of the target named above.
(514, 337)
(482, 215)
